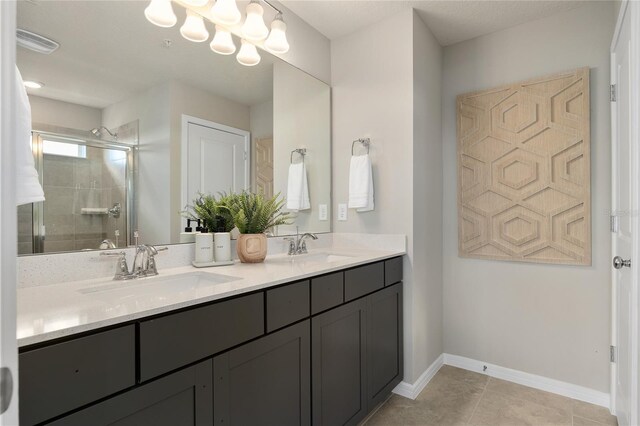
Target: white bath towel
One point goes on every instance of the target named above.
(298, 188)
(361, 183)
(28, 188)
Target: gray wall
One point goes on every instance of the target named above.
(375, 95)
(64, 114)
(302, 119)
(310, 51)
(427, 193)
(548, 320)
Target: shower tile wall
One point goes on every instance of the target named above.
(70, 184)
(25, 229)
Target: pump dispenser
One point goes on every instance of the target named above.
(189, 235)
(204, 247)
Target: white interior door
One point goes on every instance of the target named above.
(625, 231)
(8, 238)
(217, 159)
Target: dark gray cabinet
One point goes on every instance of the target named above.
(172, 341)
(322, 351)
(357, 357)
(265, 382)
(179, 399)
(339, 365)
(384, 343)
(58, 378)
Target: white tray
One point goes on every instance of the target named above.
(210, 264)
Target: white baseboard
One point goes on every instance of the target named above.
(527, 379)
(411, 391)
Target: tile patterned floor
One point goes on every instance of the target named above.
(460, 397)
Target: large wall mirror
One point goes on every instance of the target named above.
(133, 121)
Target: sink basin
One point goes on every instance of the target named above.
(310, 258)
(189, 282)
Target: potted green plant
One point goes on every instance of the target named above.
(253, 215)
(215, 216)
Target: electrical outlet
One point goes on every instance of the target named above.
(322, 212)
(342, 212)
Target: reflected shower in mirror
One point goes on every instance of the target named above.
(134, 121)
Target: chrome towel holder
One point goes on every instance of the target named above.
(364, 141)
(301, 151)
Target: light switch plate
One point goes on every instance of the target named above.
(322, 212)
(342, 212)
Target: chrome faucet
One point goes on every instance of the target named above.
(144, 262)
(298, 245)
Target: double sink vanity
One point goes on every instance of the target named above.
(297, 340)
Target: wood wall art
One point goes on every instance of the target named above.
(524, 171)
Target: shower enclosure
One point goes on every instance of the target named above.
(89, 188)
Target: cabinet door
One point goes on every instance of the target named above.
(265, 382)
(384, 343)
(183, 398)
(338, 365)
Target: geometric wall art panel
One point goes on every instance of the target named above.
(524, 190)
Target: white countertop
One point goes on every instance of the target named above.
(47, 312)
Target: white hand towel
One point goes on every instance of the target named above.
(28, 188)
(361, 183)
(298, 188)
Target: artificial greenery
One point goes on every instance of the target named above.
(214, 214)
(255, 214)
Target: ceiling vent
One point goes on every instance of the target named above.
(36, 42)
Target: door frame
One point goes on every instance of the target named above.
(8, 211)
(634, 116)
(184, 146)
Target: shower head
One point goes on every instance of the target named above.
(97, 133)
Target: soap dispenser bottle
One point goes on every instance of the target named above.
(189, 235)
(204, 247)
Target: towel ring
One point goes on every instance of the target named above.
(365, 142)
(301, 151)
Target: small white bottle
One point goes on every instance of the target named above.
(189, 235)
(222, 244)
(204, 247)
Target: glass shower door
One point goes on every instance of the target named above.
(86, 203)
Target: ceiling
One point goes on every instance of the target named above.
(109, 52)
(451, 21)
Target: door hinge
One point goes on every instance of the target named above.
(613, 223)
(613, 94)
(245, 156)
(613, 353)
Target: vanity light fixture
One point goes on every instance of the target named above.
(224, 14)
(160, 13)
(193, 28)
(196, 3)
(33, 84)
(254, 28)
(226, 11)
(222, 42)
(248, 54)
(277, 41)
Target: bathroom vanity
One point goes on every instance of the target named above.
(321, 348)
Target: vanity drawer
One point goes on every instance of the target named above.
(327, 292)
(392, 271)
(363, 280)
(287, 304)
(64, 376)
(169, 342)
